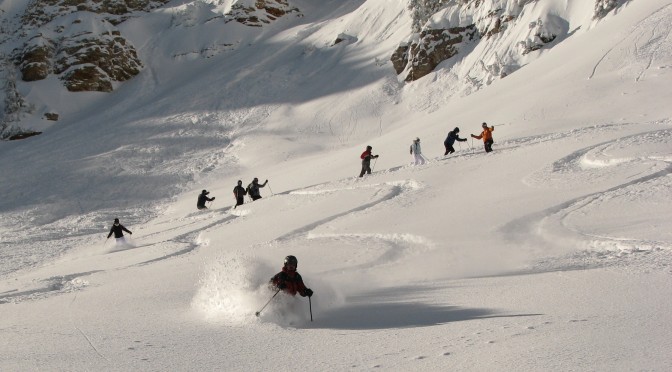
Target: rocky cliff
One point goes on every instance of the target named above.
(450, 29)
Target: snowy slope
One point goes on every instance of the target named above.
(551, 253)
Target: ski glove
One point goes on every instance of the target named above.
(309, 292)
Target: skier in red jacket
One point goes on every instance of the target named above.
(366, 161)
(289, 280)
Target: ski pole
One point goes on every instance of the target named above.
(374, 164)
(270, 189)
(269, 301)
(310, 306)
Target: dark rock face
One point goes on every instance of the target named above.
(36, 59)
(41, 12)
(86, 79)
(51, 116)
(400, 58)
(257, 12)
(434, 47)
(23, 135)
(115, 58)
(71, 49)
(603, 7)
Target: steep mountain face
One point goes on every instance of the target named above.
(81, 44)
(450, 29)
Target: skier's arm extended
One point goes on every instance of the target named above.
(301, 288)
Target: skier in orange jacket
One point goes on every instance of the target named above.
(486, 135)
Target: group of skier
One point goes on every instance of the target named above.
(416, 150)
(252, 190)
(239, 193)
(453, 135)
(288, 279)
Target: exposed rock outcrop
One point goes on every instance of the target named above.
(87, 78)
(603, 7)
(257, 12)
(114, 57)
(52, 116)
(539, 37)
(345, 38)
(36, 59)
(433, 47)
(400, 58)
(41, 12)
(76, 50)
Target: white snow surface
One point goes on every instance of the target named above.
(553, 252)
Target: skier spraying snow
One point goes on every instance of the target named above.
(366, 161)
(416, 151)
(239, 193)
(253, 188)
(202, 198)
(289, 280)
(118, 231)
(450, 140)
(486, 135)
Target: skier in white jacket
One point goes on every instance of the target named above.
(416, 151)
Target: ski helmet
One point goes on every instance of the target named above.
(369, 148)
(205, 192)
(485, 125)
(456, 130)
(116, 220)
(291, 260)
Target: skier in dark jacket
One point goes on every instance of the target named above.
(450, 140)
(289, 280)
(253, 188)
(366, 161)
(118, 231)
(202, 198)
(239, 193)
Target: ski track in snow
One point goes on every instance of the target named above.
(73, 282)
(649, 43)
(647, 158)
(646, 154)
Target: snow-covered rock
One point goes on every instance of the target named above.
(258, 12)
